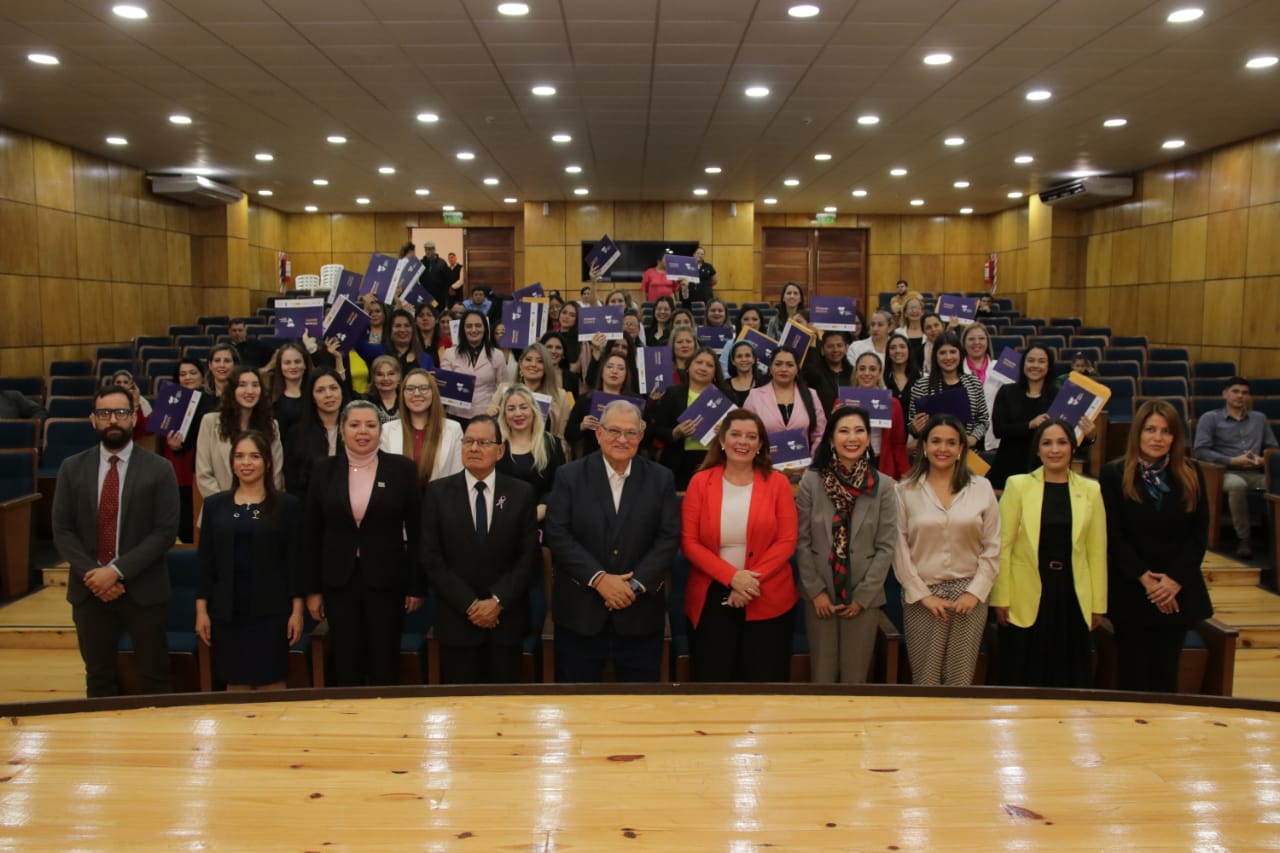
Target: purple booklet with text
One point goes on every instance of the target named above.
(294, 316)
(706, 412)
(174, 409)
(603, 255)
(876, 402)
(1008, 366)
(789, 448)
(379, 277)
(952, 401)
(456, 389)
(681, 267)
(655, 369)
(605, 318)
(523, 323)
(765, 345)
(715, 336)
(952, 307)
(833, 313)
(529, 290)
(347, 322)
(348, 285)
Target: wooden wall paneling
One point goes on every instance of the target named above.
(1257, 362)
(544, 230)
(1097, 306)
(177, 258)
(1223, 312)
(730, 229)
(1153, 312)
(153, 309)
(353, 232)
(309, 263)
(1156, 192)
(126, 311)
(966, 235)
(126, 247)
(735, 268)
(308, 232)
(959, 272)
(1226, 244)
(1191, 186)
(209, 261)
(1156, 252)
(59, 310)
(1189, 245)
(91, 179)
(153, 255)
(638, 220)
(786, 256)
(547, 265)
(923, 272)
(1097, 270)
(842, 262)
(587, 222)
(884, 233)
(20, 245)
(56, 241)
(687, 220)
(1230, 177)
(177, 217)
(93, 247)
(1265, 170)
(391, 231)
(1264, 242)
(237, 250)
(1126, 309)
(1039, 254)
(126, 190)
(151, 211)
(1126, 254)
(883, 271)
(17, 167)
(20, 306)
(96, 322)
(1261, 310)
(1230, 353)
(923, 235)
(22, 361)
(1186, 312)
(54, 175)
(513, 219)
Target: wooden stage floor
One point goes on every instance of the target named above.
(678, 770)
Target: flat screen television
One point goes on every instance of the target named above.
(637, 256)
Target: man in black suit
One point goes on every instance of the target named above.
(613, 529)
(480, 547)
(115, 516)
(251, 351)
(436, 277)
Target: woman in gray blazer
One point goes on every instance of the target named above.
(848, 531)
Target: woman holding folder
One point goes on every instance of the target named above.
(682, 452)
(888, 443)
(945, 377)
(616, 377)
(476, 356)
(786, 401)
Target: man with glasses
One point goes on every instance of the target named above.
(613, 529)
(480, 547)
(115, 516)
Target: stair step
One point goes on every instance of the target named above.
(55, 575)
(1258, 637)
(38, 637)
(1232, 576)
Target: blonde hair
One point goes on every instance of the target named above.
(540, 456)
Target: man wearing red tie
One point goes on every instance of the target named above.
(115, 516)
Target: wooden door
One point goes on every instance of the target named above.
(826, 261)
(490, 259)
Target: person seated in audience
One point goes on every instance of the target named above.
(476, 356)
(933, 327)
(978, 361)
(1157, 527)
(404, 345)
(738, 532)
(554, 303)
(620, 299)
(786, 401)
(286, 374)
(1236, 437)
(537, 372)
(613, 529)
(748, 318)
(888, 443)
(557, 349)
(587, 295)
(181, 452)
(790, 306)
(531, 453)
(243, 406)
(315, 435)
(901, 368)
(897, 303)
(683, 317)
(377, 312)
(984, 307)
(848, 532)
(428, 332)
(717, 314)
(877, 338)
(1051, 591)
(422, 432)
(479, 301)
(912, 327)
(944, 374)
(682, 452)
(827, 369)
(251, 351)
(249, 602)
(123, 379)
(684, 343)
(223, 358)
(948, 556)
(624, 347)
(385, 393)
(631, 327)
(480, 548)
(616, 377)
(14, 405)
(658, 331)
(744, 371)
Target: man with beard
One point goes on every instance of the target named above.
(115, 516)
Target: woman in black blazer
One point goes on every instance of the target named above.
(681, 451)
(361, 564)
(1157, 527)
(249, 605)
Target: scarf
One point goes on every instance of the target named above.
(1153, 477)
(843, 486)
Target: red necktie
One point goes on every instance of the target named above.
(108, 513)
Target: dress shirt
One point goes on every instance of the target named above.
(488, 494)
(937, 544)
(1219, 436)
(616, 483)
(104, 465)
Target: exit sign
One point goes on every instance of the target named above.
(454, 217)
(823, 219)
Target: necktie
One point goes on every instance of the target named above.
(108, 513)
(482, 512)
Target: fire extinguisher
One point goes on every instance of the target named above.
(286, 270)
(989, 272)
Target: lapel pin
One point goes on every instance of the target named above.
(381, 484)
(501, 500)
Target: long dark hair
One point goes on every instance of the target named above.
(277, 373)
(229, 410)
(913, 366)
(1033, 457)
(310, 439)
(1024, 383)
(737, 323)
(946, 339)
(432, 346)
(733, 367)
(782, 302)
(825, 456)
(486, 343)
(653, 324)
(613, 348)
(920, 467)
(263, 447)
(802, 387)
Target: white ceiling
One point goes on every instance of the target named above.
(651, 90)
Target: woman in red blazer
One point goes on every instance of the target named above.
(738, 533)
(889, 444)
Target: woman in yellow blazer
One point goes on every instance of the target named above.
(1052, 588)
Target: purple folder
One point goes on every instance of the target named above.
(415, 294)
(544, 406)
(528, 291)
(605, 318)
(951, 307)
(456, 389)
(952, 401)
(715, 336)
(765, 345)
(655, 369)
(600, 399)
(796, 338)
(1074, 402)
(379, 276)
(294, 316)
(522, 323)
(603, 255)
(174, 409)
(1008, 367)
(707, 411)
(347, 322)
(681, 267)
(408, 270)
(348, 285)
(833, 313)
(789, 448)
(877, 402)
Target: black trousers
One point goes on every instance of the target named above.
(484, 663)
(186, 522)
(727, 647)
(364, 633)
(1147, 658)
(582, 659)
(98, 628)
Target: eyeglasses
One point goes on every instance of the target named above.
(108, 414)
(417, 390)
(482, 443)
(613, 433)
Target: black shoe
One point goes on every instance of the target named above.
(1245, 549)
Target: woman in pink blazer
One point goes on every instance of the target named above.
(786, 401)
(739, 531)
(476, 356)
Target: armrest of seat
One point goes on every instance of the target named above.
(888, 647)
(20, 500)
(1213, 476)
(1104, 644)
(1098, 450)
(1220, 640)
(319, 635)
(204, 666)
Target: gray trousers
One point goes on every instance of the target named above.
(1237, 485)
(840, 648)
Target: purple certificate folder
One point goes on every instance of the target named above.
(715, 336)
(348, 286)
(765, 345)
(833, 313)
(456, 389)
(789, 448)
(654, 369)
(415, 294)
(1008, 366)
(876, 402)
(952, 307)
(681, 267)
(603, 255)
(522, 323)
(606, 319)
(347, 322)
(529, 291)
(408, 270)
(174, 409)
(1079, 396)
(797, 337)
(600, 399)
(294, 316)
(953, 401)
(707, 412)
(379, 277)
(544, 406)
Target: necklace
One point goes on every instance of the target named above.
(365, 465)
(248, 507)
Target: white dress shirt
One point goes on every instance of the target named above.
(488, 495)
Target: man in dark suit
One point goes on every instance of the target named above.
(613, 529)
(436, 277)
(115, 516)
(252, 352)
(480, 547)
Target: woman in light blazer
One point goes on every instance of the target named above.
(1051, 591)
(847, 538)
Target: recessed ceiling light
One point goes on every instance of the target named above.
(320, 182)
(543, 91)
(1039, 95)
(859, 193)
(712, 170)
(937, 59)
(1183, 16)
(1024, 159)
(1173, 143)
(699, 190)
(898, 172)
(311, 208)
(869, 119)
(580, 191)
(362, 200)
(42, 58)
(448, 208)
(117, 140)
(573, 170)
(756, 91)
(791, 182)
(510, 200)
(1115, 122)
(466, 155)
(803, 10)
(513, 9)
(829, 209)
(562, 138)
(966, 210)
(428, 118)
(1084, 173)
(386, 170)
(770, 200)
(133, 13)
(917, 202)
(953, 141)
(1015, 194)
(1262, 62)
(264, 156)
(337, 140)
(490, 182)
(961, 185)
(822, 156)
(179, 118)
(422, 191)
(265, 192)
